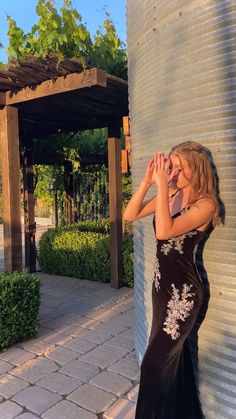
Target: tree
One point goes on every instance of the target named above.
(64, 34)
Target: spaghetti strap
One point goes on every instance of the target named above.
(171, 196)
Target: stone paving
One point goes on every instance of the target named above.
(82, 364)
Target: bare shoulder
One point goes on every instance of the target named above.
(205, 203)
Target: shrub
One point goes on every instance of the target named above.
(83, 251)
(19, 307)
(128, 260)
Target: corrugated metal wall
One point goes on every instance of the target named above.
(182, 86)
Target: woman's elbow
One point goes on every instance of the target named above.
(160, 236)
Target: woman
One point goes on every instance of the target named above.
(185, 208)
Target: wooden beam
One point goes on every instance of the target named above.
(124, 161)
(74, 81)
(9, 140)
(115, 202)
(126, 129)
(29, 211)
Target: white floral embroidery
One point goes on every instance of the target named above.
(176, 243)
(178, 309)
(157, 275)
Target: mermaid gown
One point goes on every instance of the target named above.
(167, 384)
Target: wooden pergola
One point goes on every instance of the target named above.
(39, 99)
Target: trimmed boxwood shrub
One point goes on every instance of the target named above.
(83, 251)
(19, 307)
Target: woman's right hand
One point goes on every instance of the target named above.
(148, 177)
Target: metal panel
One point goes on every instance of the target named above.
(182, 86)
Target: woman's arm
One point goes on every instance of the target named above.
(137, 208)
(200, 213)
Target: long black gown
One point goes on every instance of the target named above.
(167, 385)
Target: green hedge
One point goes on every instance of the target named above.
(19, 307)
(83, 251)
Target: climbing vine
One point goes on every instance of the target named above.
(63, 33)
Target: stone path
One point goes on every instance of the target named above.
(82, 364)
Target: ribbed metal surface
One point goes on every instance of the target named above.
(182, 86)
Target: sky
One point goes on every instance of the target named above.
(23, 12)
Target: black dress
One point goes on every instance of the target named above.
(167, 385)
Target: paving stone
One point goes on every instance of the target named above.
(132, 395)
(80, 345)
(35, 369)
(71, 330)
(56, 323)
(103, 356)
(36, 346)
(126, 319)
(67, 410)
(125, 306)
(27, 415)
(129, 333)
(36, 399)
(46, 311)
(92, 398)
(110, 329)
(62, 355)
(44, 320)
(112, 383)
(42, 332)
(86, 322)
(5, 367)
(103, 313)
(122, 409)
(81, 370)
(10, 385)
(132, 355)
(16, 356)
(9, 410)
(121, 342)
(126, 367)
(56, 338)
(96, 336)
(59, 383)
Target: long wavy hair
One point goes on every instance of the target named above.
(205, 180)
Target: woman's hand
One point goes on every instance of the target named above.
(149, 175)
(163, 171)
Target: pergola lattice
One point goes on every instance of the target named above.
(39, 99)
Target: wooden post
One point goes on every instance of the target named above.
(9, 140)
(68, 185)
(55, 209)
(115, 202)
(29, 211)
(69, 210)
(126, 154)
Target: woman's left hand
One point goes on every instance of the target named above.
(161, 170)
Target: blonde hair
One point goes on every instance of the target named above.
(204, 175)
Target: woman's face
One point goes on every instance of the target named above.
(183, 173)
